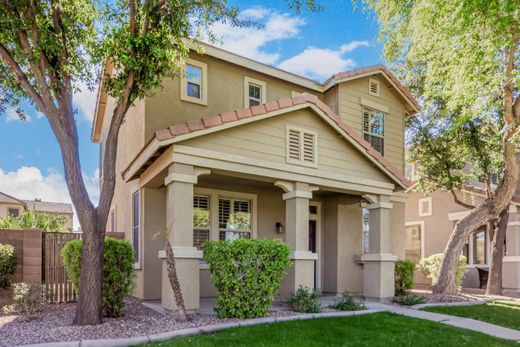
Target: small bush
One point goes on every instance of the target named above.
(403, 276)
(347, 303)
(430, 268)
(118, 272)
(29, 300)
(7, 265)
(409, 300)
(305, 300)
(247, 274)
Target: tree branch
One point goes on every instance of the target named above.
(460, 202)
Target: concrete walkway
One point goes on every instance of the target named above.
(459, 322)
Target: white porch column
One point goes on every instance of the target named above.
(297, 196)
(378, 271)
(179, 222)
(511, 262)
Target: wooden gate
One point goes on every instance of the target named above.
(54, 276)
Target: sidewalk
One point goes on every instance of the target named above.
(459, 322)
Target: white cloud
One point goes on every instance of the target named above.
(28, 183)
(85, 100)
(349, 47)
(12, 116)
(318, 63)
(249, 41)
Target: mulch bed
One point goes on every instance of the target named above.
(55, 324)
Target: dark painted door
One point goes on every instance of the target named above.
(312, 244)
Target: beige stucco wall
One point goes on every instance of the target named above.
(351, 110)
(225, 93)
(266, 140)
(4, 208)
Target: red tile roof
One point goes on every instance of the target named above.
(226, 117)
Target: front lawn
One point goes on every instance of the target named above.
(503, 313)
(380, 329)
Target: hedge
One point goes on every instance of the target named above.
(403, 276)
(7, 265)
(430, 268)
(118, 272)
(247, 274)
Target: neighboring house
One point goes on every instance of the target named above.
(12, 206)
(235, 148)
(55, 208)
(430, 221)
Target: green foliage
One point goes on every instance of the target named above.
(32, 220)
(118, 271)
(430, 268)
(7, 265)
(30, 299)
(403, 276)
(305, 300)
(347, 303)
(409, 300)
(247, 274)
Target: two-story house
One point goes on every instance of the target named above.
(236, 148)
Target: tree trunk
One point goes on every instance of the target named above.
(494, 284)
(174, 282)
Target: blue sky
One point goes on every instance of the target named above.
(311, 44)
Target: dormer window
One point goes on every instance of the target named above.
(373, 87)
(301, 146)
(194, 82)
(374, 129)
(254, 92)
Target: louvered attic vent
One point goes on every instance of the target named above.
(301, 147)
(373, 87)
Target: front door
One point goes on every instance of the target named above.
(312, 244)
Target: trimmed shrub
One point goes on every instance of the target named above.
(409, 300)
(247, 274)
(430, 268)
(7, 265)
(29, 300)
(118, 272)
(347, 303)
(403, 276)
(305, 300)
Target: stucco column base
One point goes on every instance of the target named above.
(301, 273)
(187, 265)
(511, 274)
(378, 276)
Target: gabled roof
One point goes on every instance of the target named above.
(51, 207)
(10, 199)
(268, 70)
(190, 129)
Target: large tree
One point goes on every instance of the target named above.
(48, 48)
(466, 53)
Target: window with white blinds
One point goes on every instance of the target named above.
(201, 221)
(301, 147)
(234, 217)
(374, 129)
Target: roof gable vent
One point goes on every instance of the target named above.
(373, 87)
(301, 147)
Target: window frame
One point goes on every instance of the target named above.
(11, 209)
(137, 255)
(471, 250)
(301, 161)
(421, 224)
(369, 133)
(263, 90)
(203, 100)
(420, 207)
(209, 216)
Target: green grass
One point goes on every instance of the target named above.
(380, 329)
(503, 313)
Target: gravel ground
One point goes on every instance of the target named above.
(55, 324)
(439, 298)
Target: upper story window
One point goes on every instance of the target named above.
(194, 84)
(301, 146)
(14, 212)
(254, 92)
(374, 129)
(373, 87)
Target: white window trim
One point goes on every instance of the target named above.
(137, 264)
(301, 162)
(420, 203)
(204, 83)
(370, 81)
(214, 195)
(263, 86)
(421, 224)
(369, 132)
